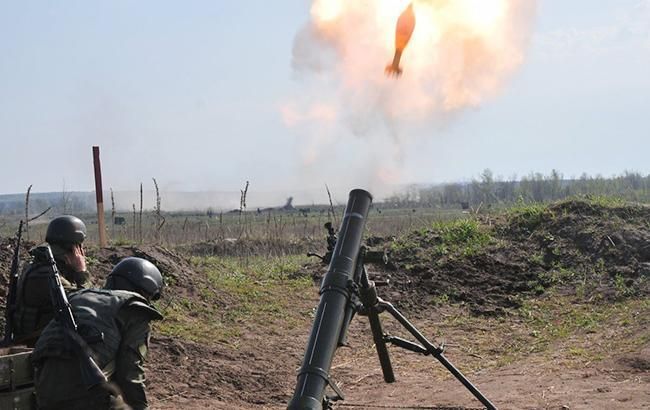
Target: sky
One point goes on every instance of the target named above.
(194, 93)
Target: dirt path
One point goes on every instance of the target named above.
(535, 382)
(522, 386)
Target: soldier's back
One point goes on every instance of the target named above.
(59, 384)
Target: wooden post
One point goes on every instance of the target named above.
(101, 224)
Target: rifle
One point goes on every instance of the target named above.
(346, 290)
(10, 307)
(91, 374)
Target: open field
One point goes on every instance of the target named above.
(541, 306)
(273, 225)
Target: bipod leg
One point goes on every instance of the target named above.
(435, 351)
(370, 302)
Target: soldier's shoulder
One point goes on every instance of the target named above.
(131, 306)
(109, 299)
(145, 309)
(117, 294)
(137, 305)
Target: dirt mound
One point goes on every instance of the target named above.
(620, 236)
(175, 268)
(177, 367)
(490, 264)
(6, 256)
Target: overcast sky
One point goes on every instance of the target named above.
(191, 93)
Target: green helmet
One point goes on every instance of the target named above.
(137, 275)
(66, 230)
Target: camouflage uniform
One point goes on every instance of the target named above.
(122, 317)
(33, 304)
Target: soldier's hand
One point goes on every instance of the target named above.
(76, 259)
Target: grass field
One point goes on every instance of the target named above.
(189, 227)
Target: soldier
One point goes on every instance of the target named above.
(33, 311)
(115, 323)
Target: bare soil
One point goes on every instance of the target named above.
(553, 313)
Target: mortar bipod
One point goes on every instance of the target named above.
(372, 305)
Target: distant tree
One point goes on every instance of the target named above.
(65, 200)
(486, 187)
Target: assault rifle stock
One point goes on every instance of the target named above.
(91, 374)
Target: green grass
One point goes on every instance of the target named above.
(528, 216)
(556, 320)
(257, 291)
(197, 322)
(558, 328)
(466, 235)
(122, 241)
(606, 201)
(460, 236)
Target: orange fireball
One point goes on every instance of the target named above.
(403, 32)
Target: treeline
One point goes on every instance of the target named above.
(58, 202)
(490, 190)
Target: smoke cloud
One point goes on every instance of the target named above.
(461, 53)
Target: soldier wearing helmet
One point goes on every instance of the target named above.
(65, 235)
(115, 321)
